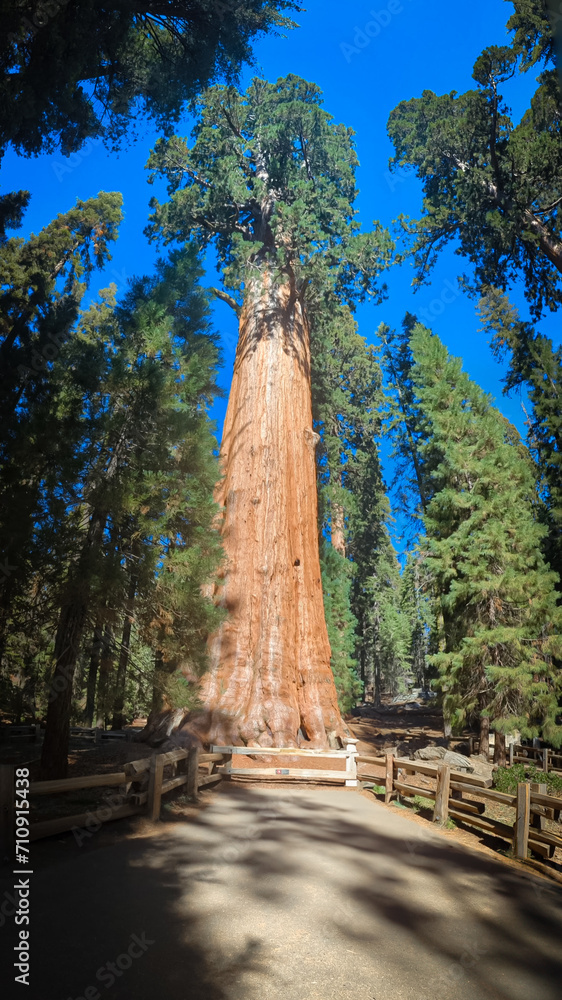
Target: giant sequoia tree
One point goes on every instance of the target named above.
(491, 187)
(270, 181)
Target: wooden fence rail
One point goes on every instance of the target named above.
(348, 776)
(139, 790)
(531, 803)
(547, 759)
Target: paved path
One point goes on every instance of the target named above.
(292, 895)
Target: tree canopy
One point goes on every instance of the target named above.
(70, 71)
(491, 187)
(270, 178)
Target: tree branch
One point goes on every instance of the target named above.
(219, 293)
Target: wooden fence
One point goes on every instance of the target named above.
(531, 803)
(33, 733)
(349, 755)
(139, 786)
(546, 759)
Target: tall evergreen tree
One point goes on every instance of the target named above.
(44, 278)
(501, 625)
(133, 383)
(270, 181)
(533, 364)
(341, 625)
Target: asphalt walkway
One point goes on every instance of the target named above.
(290, 895)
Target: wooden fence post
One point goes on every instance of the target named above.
(7, 812)
(192, 772)
(155, 786)
(511, 754)
(351, 764)
(441, 810)
(545, 760)
(389, 778)
(521, 830)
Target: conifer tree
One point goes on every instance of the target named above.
(72, 71)
(534, 363)
(501, 624)
(489, 184)
(135, 380)
(341, 625)
(269, 179)
(45, 277)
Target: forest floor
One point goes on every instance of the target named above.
(269, 893)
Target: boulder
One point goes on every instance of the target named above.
(455, 760)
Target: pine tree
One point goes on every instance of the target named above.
(417, 603)
(44, 280)
(347, 402)
(138, 378)
(341, 625)
(269, 180)
(534, 364)
(501, 625)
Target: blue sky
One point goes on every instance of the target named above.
(419, 46)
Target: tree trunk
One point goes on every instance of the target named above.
(499, 750)
(106, 665)
(485, 735)
(119, 701)
(337, 534)
(54, 756)
(270, 681)
(93, 676)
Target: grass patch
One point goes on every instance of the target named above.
(420, 802)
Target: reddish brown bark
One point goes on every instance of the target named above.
(337, 536)
(270, 681)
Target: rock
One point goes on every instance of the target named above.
(430, 753)
(454, 760)
(458, 762)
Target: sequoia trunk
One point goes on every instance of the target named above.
(270, 681)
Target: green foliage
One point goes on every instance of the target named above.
(270, 180)
(420, 802)
(500, 630)
(341, 624)
(108, 477)
(490, 186)
(72, 71)
(506, 779)
(347, 402)
(534, 364)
